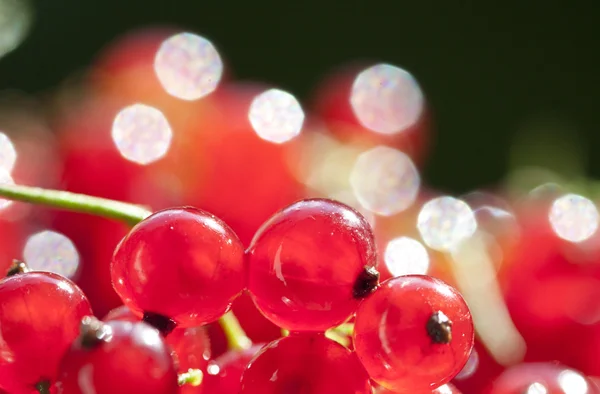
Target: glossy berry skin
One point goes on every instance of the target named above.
(547, 378)
(181, 263)
(133, 358)
(256, 326)
(190, 347)
(393, 337)
(40, 314)
(305, 262)
(224, 374)
(305, 363)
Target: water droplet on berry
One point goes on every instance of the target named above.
(141, 133)
(444, 222)
(276, 116)
(572, 382)
(574, 218)
(53, 252)
(5, 179)
(385, 180)
(8, 154)
(188, 66)
(386, 99)
(406, 256)
(15, 21)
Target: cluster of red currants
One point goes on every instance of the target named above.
(309, 268)
(302, 304)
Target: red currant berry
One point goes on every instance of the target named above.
(305, 363)
(181, 264)
(190, 347)
(40, 314)
(117, 357)
(225, 373)
(543, 378)
(310, 264)
(414, 333)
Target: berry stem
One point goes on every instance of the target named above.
(43, 387)
(193, 377)
(128, 213)
(236, 337)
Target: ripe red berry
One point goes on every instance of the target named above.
(181, 264)
(414, 333)
(190, 347)
(305, 363)
(117, 357)
(224, 374)
(545, 378)
(310, 264)
(40, 314)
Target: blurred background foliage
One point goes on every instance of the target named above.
(492, 71)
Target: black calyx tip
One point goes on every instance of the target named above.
(439, 328)
(160, 322)
(366, 283)
(93, 332)
(18, 267)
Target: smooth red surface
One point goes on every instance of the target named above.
(231, 171)
(91, 164)
(135, 359)
(256, 326)
(40, 314)
(551, 288)
(391, 340)
(304, 261)
(224, 374)
(480, 370)
(553, 377)
(190, 347)
(445, 389)
(305, 363)
(182, 263)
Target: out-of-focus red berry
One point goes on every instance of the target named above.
(224, 374)
(548, 378)
(332, 102)
(551, 287)
(305, 362)
(478, 372)
(235, 174)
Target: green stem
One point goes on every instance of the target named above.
(193, 377)
(129, 213)
(43, 387)
(236, 337)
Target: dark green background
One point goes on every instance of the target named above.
(486, 66)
